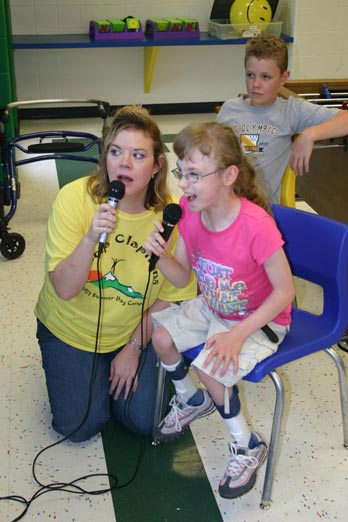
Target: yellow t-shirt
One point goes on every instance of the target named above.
(123, 271)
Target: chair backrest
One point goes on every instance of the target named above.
(317, 250)
(288, 188)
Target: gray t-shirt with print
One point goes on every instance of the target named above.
(266, 133)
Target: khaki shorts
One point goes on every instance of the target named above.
(193, 322)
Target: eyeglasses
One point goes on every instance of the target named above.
(192, 177)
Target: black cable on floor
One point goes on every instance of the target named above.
(72, 486)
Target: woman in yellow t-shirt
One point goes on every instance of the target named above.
(78, 264)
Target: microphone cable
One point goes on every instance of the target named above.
(172, 214)
(72, 486)
(141, 364)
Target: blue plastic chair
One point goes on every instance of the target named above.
(317, 250)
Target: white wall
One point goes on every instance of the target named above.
(321, 39)
(73, 16)
(182, 74)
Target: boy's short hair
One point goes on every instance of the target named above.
(268, 46)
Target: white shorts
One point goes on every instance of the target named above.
(193, 322)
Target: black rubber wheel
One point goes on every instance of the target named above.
(12, 246)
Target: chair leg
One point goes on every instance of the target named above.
(342, 379)
(159, 400)
(274, 442)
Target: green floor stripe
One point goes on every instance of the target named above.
(171, 484)
(68, 170)
(168, 138)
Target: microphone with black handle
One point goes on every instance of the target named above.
(171, 215)
(116, 192)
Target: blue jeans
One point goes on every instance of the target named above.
(68, 377)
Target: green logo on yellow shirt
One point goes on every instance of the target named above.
(109, 280)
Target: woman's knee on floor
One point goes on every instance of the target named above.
(136, 416)
(79, 432)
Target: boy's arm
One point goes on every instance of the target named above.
(303, 144)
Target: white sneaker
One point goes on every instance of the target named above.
(241, 471)
(181, 415)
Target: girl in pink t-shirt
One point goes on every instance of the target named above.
(228, 237)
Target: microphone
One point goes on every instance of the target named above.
(116, 192)
(171, 215)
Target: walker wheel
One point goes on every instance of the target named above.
(12, 246)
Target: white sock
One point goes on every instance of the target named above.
(239, 429)
(185, 388)
(170, 367)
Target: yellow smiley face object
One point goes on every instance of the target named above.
(244, 13)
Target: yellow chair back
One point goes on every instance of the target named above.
(288, 188)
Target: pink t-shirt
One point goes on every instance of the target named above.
(229, 264)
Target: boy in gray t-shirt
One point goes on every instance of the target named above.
(266, 122)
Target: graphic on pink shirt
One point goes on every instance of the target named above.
(222, 294)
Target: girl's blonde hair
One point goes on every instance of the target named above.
(218, 141)
(134, 117)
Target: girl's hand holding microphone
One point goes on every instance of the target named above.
(155, 244)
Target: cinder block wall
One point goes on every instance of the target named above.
(182, 74)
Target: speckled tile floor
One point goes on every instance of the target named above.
(312, 472)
